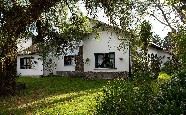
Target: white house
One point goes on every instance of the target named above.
(94, 56)
(160, 52)
(29, 65)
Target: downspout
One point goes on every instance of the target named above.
(129, 75)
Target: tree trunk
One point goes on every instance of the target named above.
(8, 68)
(8, 75)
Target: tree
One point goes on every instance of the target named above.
(16, 17)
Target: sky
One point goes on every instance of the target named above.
(157, 27)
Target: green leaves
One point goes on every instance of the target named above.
(130, 97)
(145, 33)
(179, 45)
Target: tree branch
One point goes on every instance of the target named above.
(157, 4)
(182, 16)
(159, 20)
(18, 17)
(165, 17)
(14, 2)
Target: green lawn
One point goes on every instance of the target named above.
(54, 95)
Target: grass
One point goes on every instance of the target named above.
(53, 95)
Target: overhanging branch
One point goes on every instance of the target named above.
(159, 20)
(157, 4)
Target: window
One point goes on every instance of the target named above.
(68, 60)
(26, 62)
(105, 60)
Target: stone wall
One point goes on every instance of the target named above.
(94, 75)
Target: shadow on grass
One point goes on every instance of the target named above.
(47, 102)
(44, 93)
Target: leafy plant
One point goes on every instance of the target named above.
(126, 97)
(163, 77)
(171, 98)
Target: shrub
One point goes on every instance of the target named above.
(171, 66)
(126, 97)
(171, 98)
(163, 77)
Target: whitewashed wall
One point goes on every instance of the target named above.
(24, 43)
(166, 54)
(49, 67)
(35, 71)
(160, 53)
(61, 67)
(152, 50)
(60, 62)
(107, 42)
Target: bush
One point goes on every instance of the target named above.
(123, 97)
(163, 77)
(171, 66)
(171, 98)
(126, 97)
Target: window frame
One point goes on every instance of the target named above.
(71, 62)
(26, 62)
(109, 54)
